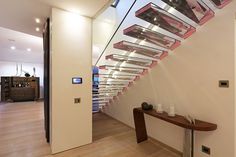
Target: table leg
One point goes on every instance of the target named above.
(140, 127)
(192, 143)
(188, 150)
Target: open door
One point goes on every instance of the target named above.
(46, 46)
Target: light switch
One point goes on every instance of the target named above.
(77, 100)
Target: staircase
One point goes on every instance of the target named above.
(146, 36)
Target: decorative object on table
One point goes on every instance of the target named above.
(34, 70)
(171, 112)
(159, 108)
(20, 70)
(16, 69)
(27, 74)
(190, 119)
(150, 106)
(146, 106)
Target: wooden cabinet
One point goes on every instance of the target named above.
(19, 88)
(5, 88)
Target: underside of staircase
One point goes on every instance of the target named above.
(161, 27)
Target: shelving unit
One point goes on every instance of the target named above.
(5, 88)
(19, 88)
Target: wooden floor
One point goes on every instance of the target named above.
(22, 135)
(114, 139)
(22, 130)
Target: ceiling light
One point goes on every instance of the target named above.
(37, 29)
(37, 20)
(13, 47)
(28, 49)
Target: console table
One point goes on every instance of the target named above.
(140, 127)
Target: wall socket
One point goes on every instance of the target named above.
(206, 150)
(224, 83)
(77, 100)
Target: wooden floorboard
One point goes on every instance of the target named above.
(114, 139)
(22, 130)
(22, 135)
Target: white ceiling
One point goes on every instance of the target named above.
(19, 15)
(21, 42)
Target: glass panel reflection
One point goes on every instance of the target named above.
(131, 60)
(161, 18)
(220, 3)
(139, 49)
(151, 36)
(196, 10)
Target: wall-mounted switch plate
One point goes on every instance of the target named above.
(224, 83)
(77, 100)
(206, 150)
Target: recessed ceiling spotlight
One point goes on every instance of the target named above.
(37, 29)
(13, 47)
(28, 49)
(37, 20)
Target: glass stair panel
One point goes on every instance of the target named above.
(108, 92)
(131, 60)
(196, 10)
(116, 75)
(126, 69)
(220, 3)
(101, 102)
(102, 98)
(118, 78)
(131, 71)
(151, 36)
(115, 81)
(119, 66)
(103, 87)
(112, 85)
(163, 19)
(139, 49)
(102, 94)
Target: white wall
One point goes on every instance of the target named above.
(9, 69)
(71, 56)
(189, 79)
(235, 84)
